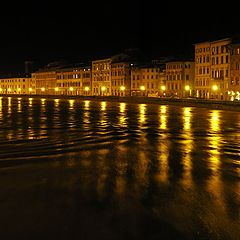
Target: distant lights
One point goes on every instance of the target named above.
(122, 88)
(56, 89)
(86, 89)
(215, 87)
(30, 89)
(187, 88)
(142, 88)
(71, 89)
(163, 88)
(43, 89)
(103, 88)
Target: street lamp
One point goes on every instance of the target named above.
(43, 89)
(122, 88)
(103, 89)
(187, 88)
(215, 88)
(86, 89)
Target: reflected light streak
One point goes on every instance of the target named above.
(56, 101)
(103, 106)
(1, 108)
(9, 104)
(86, 104)
(187, 147)
(43, 101)
(30, 102)
(71, 103)
(122, 107)
(214, 183)
(163, 117)
(142, 113)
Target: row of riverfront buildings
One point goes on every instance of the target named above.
(214, 73)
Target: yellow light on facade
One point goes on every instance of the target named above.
(103, 88)
(30, 89)
(56, 89)
(43, 89)
(142, 88)
(71, 88)
(163, 88)
(187, 88)
(86, 89)
(122, 88)
(215, 87)
(19, 89)
(0, 89)
(9, 89)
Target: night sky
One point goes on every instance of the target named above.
(46, 31)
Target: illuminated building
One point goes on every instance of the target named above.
(212, 69)
(17, 85)
(234, 83)
(101, 77)
(121, 75)
(147, 80)
(46, 81)
(74, 81)
(179, 78)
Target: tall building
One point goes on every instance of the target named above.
(212, 69)
(180, 79)
(234, 84)
(101, 77)
(74, 81)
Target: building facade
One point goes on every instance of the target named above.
(101, 77)
(74, 81)
(234, 84)
(180, 77)
(212, 69)
(17, 85)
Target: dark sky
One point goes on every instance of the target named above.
(45, 31)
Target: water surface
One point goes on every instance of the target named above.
(80, 169)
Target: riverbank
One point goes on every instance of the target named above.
(188, 102)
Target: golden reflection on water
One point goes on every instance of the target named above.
(71, 103)
(30, 101)
(142, 113)
(86, 104)
(163, 117)
(103, 106)
(19, 109)
(214, 150)
(56, 103)
(122, 115)
(9, 105)
(163, 147)
(187, 146)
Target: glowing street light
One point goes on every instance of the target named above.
(142, 88)
(187, 87)
(103, 88)
(43, 89)
(163, 88)
(19, 89)
(30, 89)
(86, 89)
(215, 87)
(122, 88)
(71, 88)
(56, 89)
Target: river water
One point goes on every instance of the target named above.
(81, 169)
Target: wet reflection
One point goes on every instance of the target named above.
(215, 138)
(187, 147)
(19, 105)
(103, 106)
(122, 115)
(9, 105)
(142, 114)
(30, 102)
(163, 147)
(163, 117)
(93, 160)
